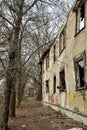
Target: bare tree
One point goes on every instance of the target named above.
(15, 11)
(43, 31)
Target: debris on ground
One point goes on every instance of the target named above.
(34, 116)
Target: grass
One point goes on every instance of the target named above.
(25, 99)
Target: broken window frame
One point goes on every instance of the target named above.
(82, 57)
(61, 86)
(78, 17)
(54, 84)
(62, 38)
(47, 86)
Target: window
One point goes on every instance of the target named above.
(43, 67)
(79, 72)
(47, 61)
(54, 84)
(62, 80)
(54, 53)
(62, 41)
(47, 86)
(80, 17)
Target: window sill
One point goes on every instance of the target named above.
(80, 89)
(80, 31)
(61, 89)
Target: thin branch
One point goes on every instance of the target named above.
(3, 64)
(29, 8)
(37, 50)
(9, 6)
(6, 19)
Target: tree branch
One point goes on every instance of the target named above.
(6, 19)
(37, 50)
(9, 6)
(3, 64)
(35, 1)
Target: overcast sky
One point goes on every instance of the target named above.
(70, 1)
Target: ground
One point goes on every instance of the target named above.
(32, 115)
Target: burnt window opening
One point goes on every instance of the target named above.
(62, 80)
(80, 75)
(47, 86)
(80, 17)
(47, 61)
(62, 41)
(54, 53)
(54, 84)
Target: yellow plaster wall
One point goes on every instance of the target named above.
(75, 45)
(73, 100)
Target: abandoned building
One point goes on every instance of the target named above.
(64, 66)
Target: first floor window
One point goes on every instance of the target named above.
(54, 84)
(47, 86)
(80, 75)
(62, 80)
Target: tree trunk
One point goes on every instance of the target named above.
(12, 103)
(22, 82)
(17, 51)
(19, 92)
(7, 94)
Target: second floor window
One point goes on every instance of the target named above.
(62, 41)
(54, 53)
(80, 17)
(47, 61)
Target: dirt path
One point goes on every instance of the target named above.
(34, 116)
